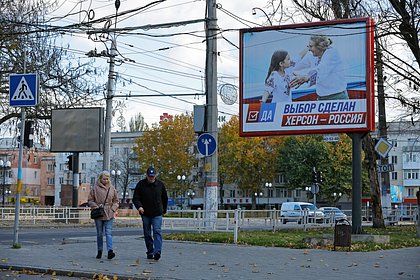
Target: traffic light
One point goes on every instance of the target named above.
(70, 162)
(319, 177)
(28, 138)
(314, 176)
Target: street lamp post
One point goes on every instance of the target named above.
(257, 195)
(336, 197)
(5, 166)
(191, 195)
(181, 179)
(268, 185)
(116, 173)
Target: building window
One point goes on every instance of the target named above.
(410, 157)
(35, 174)
(270, 192)
(280, 179)
(50, 181)
(63, 166)
(394, 160)
(298, 192)
(50, 167)
(231, 193)
(61, 179)
(35, 159)
(410, 192)
(83, 166)
(283, 192)
(92, 180)
(394, 176)
(411, 174)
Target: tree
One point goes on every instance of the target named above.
(298, 156)
(28, 44)
(169, 146)
(247, 162)
(137, 123)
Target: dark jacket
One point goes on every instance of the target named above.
(152, 197)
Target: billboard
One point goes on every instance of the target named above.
(396, 194)
(77, 130)
(307, 78)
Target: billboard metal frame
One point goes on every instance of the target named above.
(305, 113)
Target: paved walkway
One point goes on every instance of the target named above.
(194, 261)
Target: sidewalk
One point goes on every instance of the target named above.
(208, 261)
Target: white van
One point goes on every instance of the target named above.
(295, 211)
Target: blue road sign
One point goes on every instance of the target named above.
(206, 144)
(23, 90)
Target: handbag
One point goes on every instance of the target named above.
(97, 213)
(100, 211)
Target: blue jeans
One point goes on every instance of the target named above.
(101, 227)
(153, 245)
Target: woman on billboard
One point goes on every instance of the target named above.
(327, 73)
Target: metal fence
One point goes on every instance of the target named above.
(188, 220)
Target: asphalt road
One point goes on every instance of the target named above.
(44, 236)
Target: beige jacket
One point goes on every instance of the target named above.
(97, 197)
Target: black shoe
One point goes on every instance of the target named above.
(150, 257)
(111, 254)
(99, 255)
(157, 256)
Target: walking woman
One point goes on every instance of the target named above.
(103, 194)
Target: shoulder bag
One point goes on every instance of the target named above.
(100, 211)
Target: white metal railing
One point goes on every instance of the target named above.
(191, 220)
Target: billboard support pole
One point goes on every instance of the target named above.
(75, 179)
(357, 182)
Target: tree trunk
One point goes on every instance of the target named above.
(377, 215)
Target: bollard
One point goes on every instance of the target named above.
(236, 222)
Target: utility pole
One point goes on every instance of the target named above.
(211, 162)
(383, 132)
(110, 94)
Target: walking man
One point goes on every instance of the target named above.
(151, 200)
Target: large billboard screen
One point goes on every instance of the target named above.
(77, 130)
(307, 78)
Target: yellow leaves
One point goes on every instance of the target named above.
(104, 277)
(146, 272)
(168, 143)
(135, 264)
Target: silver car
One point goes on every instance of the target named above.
(333, 213)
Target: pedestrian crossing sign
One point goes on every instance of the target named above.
(23, 90)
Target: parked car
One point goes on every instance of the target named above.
(295, 211)
(333, 213)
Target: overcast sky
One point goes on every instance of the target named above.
(163, 61)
